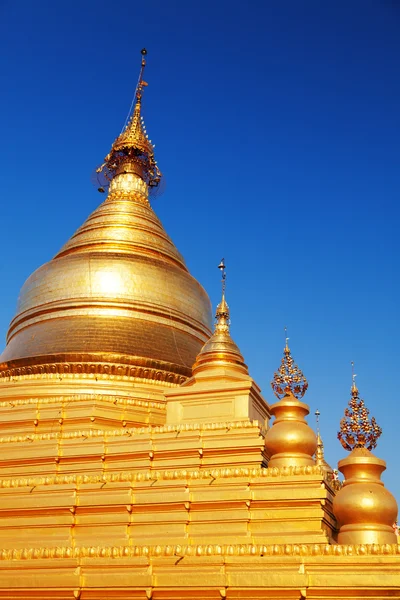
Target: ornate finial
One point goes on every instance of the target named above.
(222, 313)
(353, 379)
(289, 378)
(222, 268)
(132, 151)
(317, 416)
(141, 83)
(319, 453)
(286, 341)
(220, 351)
(356, 429)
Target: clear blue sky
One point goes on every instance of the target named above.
(277, 126)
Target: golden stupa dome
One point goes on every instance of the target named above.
(118, 292)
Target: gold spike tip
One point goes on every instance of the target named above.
(356, 429)
(289, 379)
(286, 348)
(354, 390)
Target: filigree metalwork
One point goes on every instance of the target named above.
(356, 429)
(289, 379)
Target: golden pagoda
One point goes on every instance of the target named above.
(139, 458)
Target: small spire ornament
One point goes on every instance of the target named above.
(317, 416)
(356, 429)
(222, 320)
(288, 379)
(319, 453)
(222, 268)
(220, 351)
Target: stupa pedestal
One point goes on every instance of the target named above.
(364, 508)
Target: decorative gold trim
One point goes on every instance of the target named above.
(148, 429)
(178, 474)
(121, 400)
(121, 367)
(201, 550)
(133, 195)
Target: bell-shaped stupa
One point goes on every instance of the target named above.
(118, 297)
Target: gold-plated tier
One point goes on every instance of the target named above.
(118, 287)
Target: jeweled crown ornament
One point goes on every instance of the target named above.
(288, 378)
(290, 441)
(356, 429)
(132, 151)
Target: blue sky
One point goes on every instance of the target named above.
(277, 128)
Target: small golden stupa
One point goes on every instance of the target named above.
(364, 509)
(138, 457)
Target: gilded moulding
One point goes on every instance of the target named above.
(106, 366)
(146, 430)
(120, 400)
(252, 550)
(169, 475)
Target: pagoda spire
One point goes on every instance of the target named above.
(132, 153)
(222, 320)
(319, 453)
(220, 386)
(220, 351)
